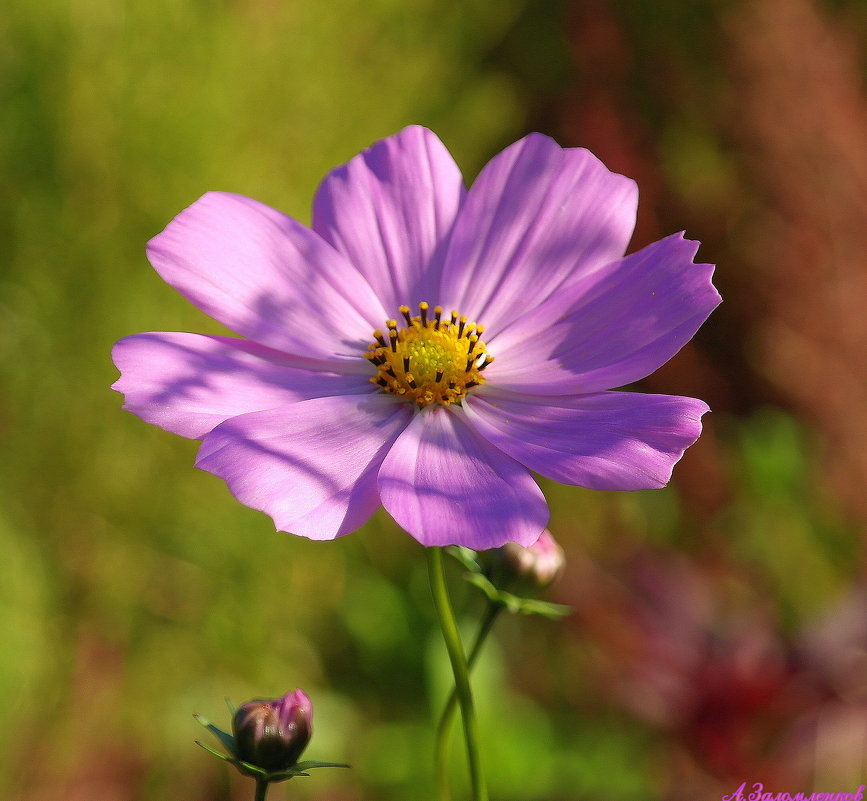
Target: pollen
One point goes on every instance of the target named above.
(430, 359)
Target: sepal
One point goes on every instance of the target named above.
(226, 739)
(515, 603)
(477, 575)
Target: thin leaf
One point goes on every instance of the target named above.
(514, 603)
(226, 739)
(215, 752)
(466, 557)
(530, 606)
(484, 584)
(281, 775)
(251, 769)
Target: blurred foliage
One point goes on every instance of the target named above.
(138, 592)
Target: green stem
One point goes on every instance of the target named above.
(448, 715)
(261, 790)
(458, 658)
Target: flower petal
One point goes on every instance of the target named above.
(618, 327)
(603, 441)
(190, 383)
(537, 216)
(447, 486)
(267, 277)
(390, 211)
(311, 466)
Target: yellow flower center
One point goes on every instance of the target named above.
(429, 360)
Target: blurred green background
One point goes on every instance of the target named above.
(720, 625)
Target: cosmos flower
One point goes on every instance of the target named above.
(425, 347)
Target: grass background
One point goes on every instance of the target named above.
(719, 628)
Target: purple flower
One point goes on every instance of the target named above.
(425, 347)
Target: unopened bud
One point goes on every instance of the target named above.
(271, 734)
(528, 569)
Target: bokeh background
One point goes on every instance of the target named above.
(719, 632)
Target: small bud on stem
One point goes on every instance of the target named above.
(271, 734)
(527, 569)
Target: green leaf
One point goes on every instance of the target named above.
(215, 752)
(514, 603)
(484, 584)
(226, 739)
(254, 770)
(284, 775)
(298, 769)
(530, 606)
(466, 556)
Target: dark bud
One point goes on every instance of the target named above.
(271, 734)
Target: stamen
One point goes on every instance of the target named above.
(485, 363)
(428, 359)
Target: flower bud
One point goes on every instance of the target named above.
(530, 569)
(271, 734)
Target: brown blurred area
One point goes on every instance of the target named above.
(777, 87)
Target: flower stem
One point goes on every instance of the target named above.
(261, 790)
(458, 659)
(448, 714)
